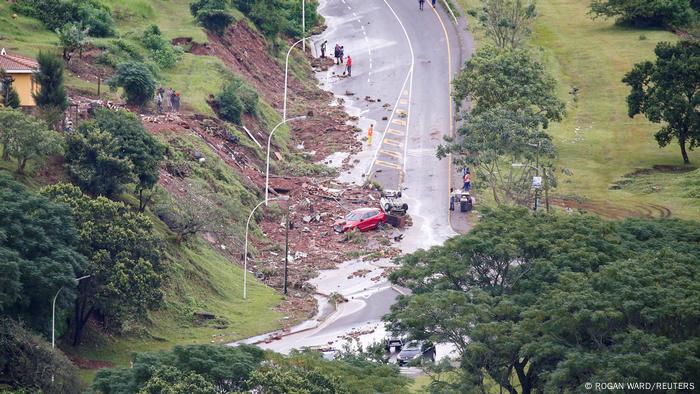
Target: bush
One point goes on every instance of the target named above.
(28, 362)
(212, 14)
(275, 16)
(237, 98)
(164, 54)
(137, 80)
(645, 13)
(56, 13)
(50, 80)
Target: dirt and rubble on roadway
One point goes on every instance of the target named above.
(315, 202)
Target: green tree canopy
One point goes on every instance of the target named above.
(38, 254)
(137, 81)
(225, 368)
(645, 13)
(51, 92)
(28, 363)
(25, 138)
(124, 260)
(506, 22)
(111, 151)
(511, 79)
(497, 291)
(668, 91)
(213, 15)
(73, 38)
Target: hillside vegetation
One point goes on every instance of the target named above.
(607, 162)
(201, 277)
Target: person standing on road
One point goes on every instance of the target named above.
(348, 66)
(323, 49)
(433, 3)
(370, 132)
(467, 181)
(420, 4)
(337, 54)
(342, 54)
(452, 199)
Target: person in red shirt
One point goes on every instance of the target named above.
(348, 66)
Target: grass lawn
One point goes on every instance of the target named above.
(597, 141)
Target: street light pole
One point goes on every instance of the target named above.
(267, 160)
(303, 25)
(286, 248)
(286, 74)
(53, 317)
(245, 248)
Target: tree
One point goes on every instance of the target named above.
(506, 22)
(485, 292)
(29, 363)
(225, 368)
(668, 91)
(169, 380)
(8, 95)
(190, 214)
(230, 106)
(73, 38)
(508, 78)
(137, 146)
(38, 255)
(491, 142)
(645, 13)
(514, 99)
(94, 162)
(25, 138)
(124, 260)
(111, 151)
(51, 93)
(212, 14)
(137, 81)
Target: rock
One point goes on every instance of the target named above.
(385, 117)
(349, 93)
(307, 219)
(306, 230)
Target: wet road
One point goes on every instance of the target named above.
(401, 72)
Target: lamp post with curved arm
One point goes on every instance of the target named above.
(53, 317)
(286, 74)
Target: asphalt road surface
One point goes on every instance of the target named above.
(402, 62)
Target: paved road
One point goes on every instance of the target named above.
(401, 69)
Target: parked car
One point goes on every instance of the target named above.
(392, 202)
(393, 342)
(416, 351)
(363, 219)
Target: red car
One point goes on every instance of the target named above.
(363, 219)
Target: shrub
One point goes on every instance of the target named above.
(645, 13)
(212, 14)
(164, 54)
(230, 105)
(28, 362)
(56, 13)
(137, 80)
(50, 80)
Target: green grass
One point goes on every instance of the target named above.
(597, 141)
(200, 280)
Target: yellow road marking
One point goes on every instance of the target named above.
(395, 132)
(387, 164)
(405, 92)
(395, 155)
(403, 101)
(399, 122)
(449, 89)
(389, 141)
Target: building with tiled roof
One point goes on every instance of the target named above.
(21, 69)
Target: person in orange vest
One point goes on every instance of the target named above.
(370, 131)
(467, 181)
(348, 65)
